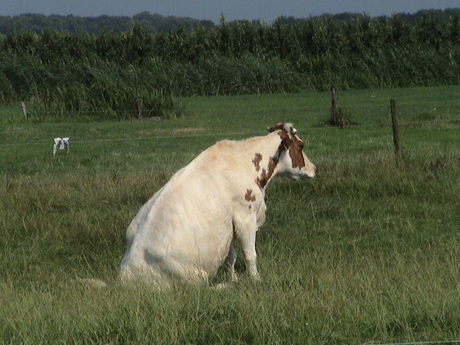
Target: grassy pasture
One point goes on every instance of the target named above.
(367, 252)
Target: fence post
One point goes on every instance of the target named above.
(24, 109)
(334, 100)
(394, 120)
(139, 107)
(339, 115)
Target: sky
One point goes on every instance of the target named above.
(265, 10)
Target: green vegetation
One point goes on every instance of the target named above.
(367, 252)
(95, 25)
(109, 74)
(155, 23)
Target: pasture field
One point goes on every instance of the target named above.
(367, 252)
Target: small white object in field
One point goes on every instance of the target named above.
(61, 144)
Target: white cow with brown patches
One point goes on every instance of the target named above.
(185, 231)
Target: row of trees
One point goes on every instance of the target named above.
(156, 23)
(39, 23)
(75, 73)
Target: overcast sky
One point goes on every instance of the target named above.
(265, 10)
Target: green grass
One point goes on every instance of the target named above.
(367, 252)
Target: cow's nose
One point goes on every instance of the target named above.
(311, 172)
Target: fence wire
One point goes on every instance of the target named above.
(312, 113)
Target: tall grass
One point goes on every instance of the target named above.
(367, 252)
(105, 91)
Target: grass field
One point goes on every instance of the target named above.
(367, 252)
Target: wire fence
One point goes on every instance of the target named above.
(364, 116)
(249, 109)
(318, 111)
(157, 137)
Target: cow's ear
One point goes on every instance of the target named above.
(287, 127)
(275, 128)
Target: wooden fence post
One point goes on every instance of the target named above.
(334, 100)
(338, 114)
(24, 109)
(139, 107)
(394, 120)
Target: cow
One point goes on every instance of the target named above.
(184, 233)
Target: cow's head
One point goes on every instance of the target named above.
(293, 163)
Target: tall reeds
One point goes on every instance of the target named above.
(138, 73)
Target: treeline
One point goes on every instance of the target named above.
(39, 23)
(139, 73)
(156, 23)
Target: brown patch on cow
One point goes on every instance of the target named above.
(285, 140)
(295, 152)
(249, 196)
(266, 175)
(256, 161)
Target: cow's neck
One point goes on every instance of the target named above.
(265, 156)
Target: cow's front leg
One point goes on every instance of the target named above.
(261, 214)
(248, 245)
(245, 226)
(230, 264)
